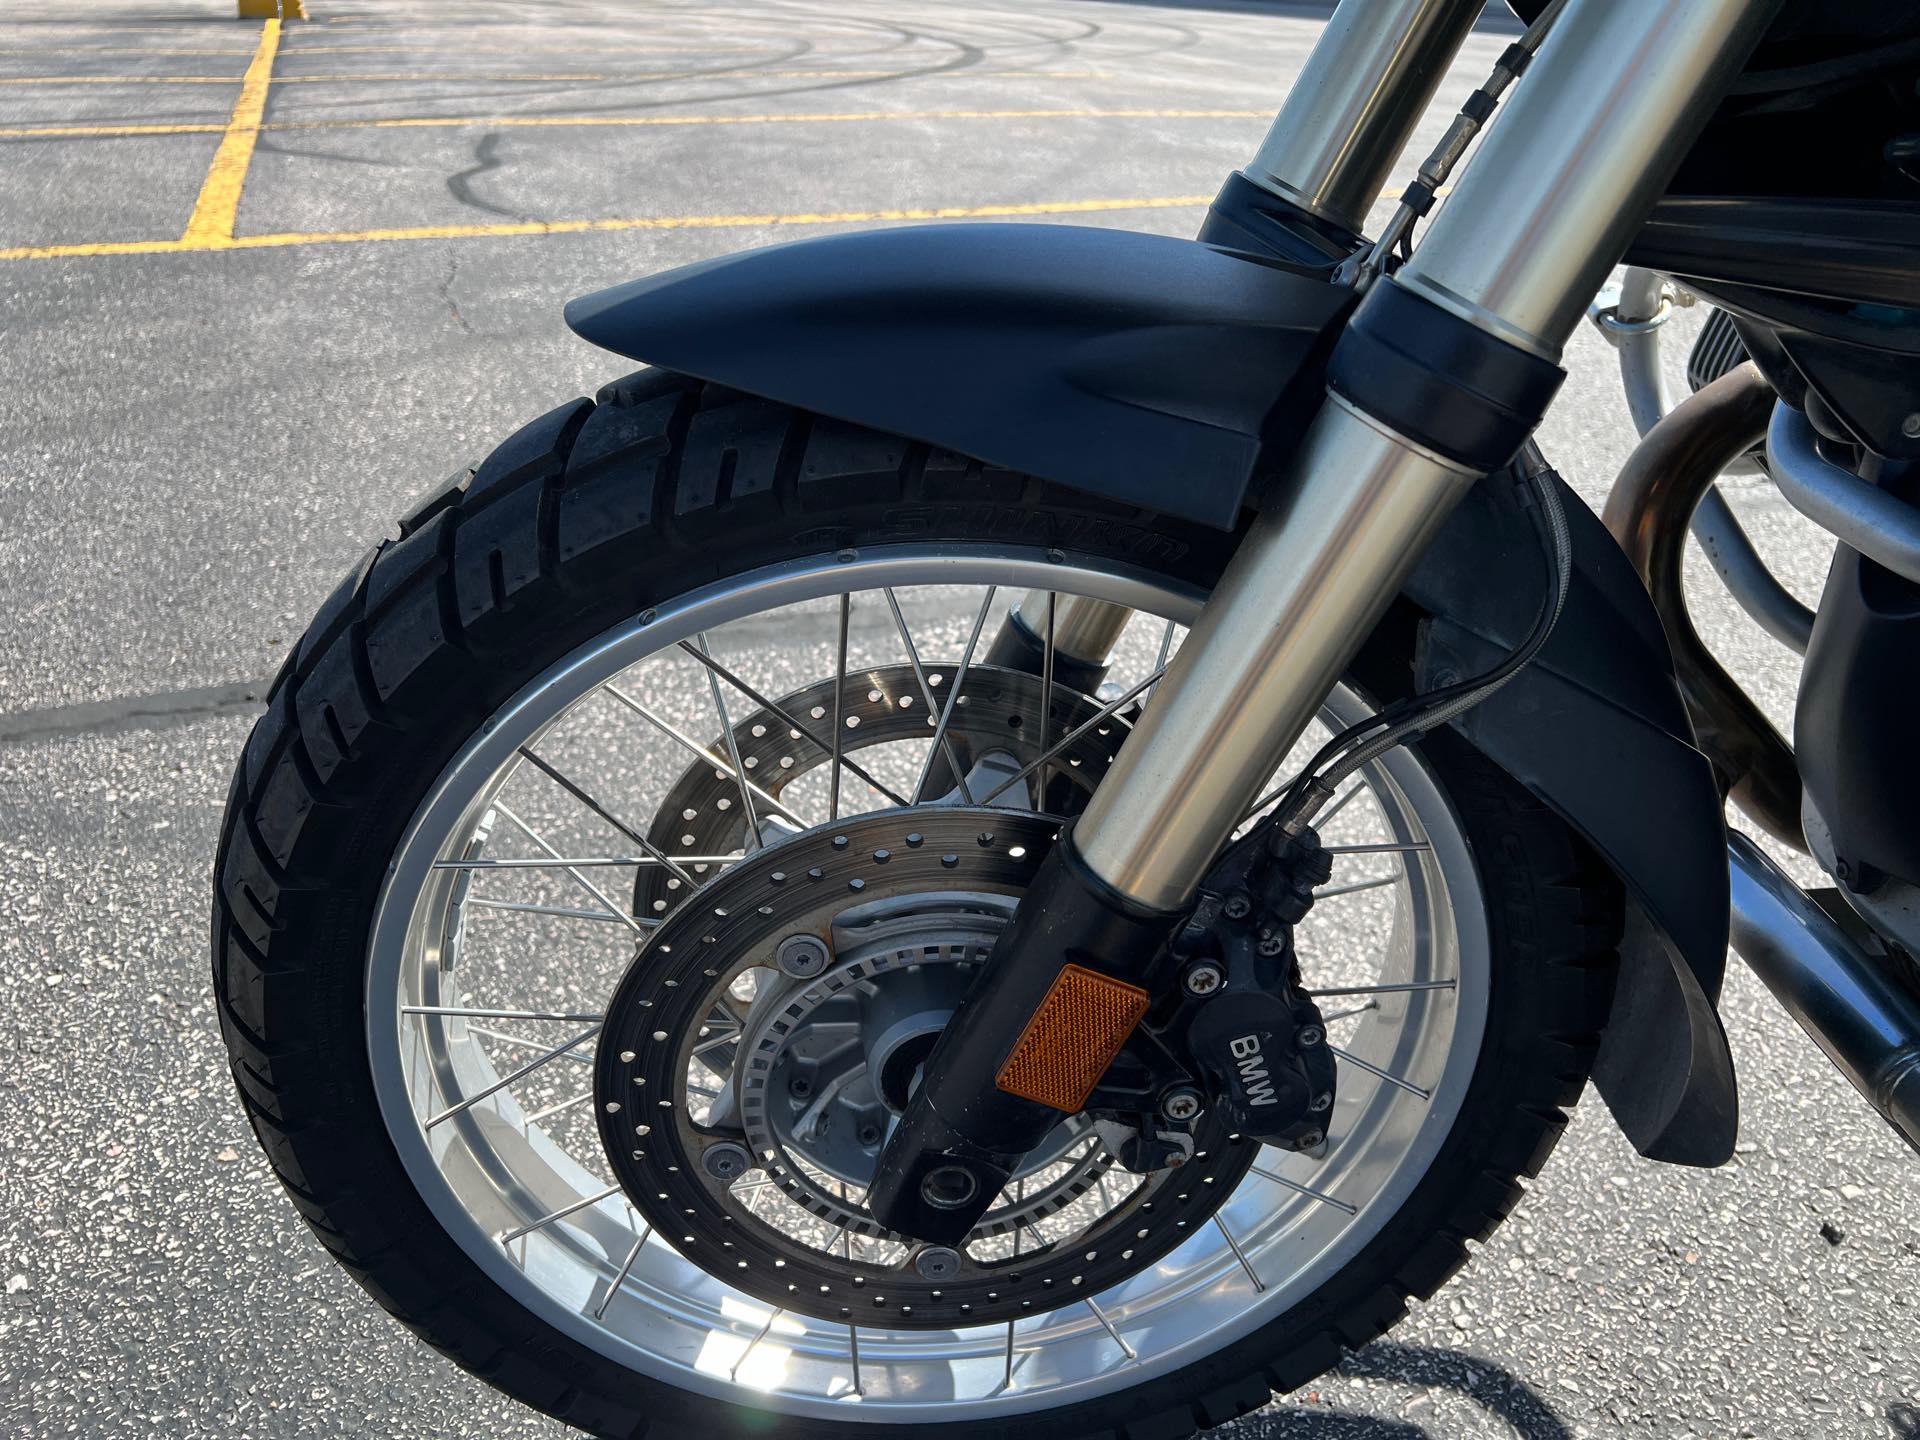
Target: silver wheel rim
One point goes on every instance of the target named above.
(544, 1221)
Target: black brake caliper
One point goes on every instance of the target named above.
(1244, 1023)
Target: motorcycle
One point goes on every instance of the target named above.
(1033, 827)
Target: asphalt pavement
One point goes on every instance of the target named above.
(197, 436)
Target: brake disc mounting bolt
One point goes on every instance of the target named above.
(802, 956)
(1180, 1105)
(726, 1161)
(1203, 979)
(937, 1262)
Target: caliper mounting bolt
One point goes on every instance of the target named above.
(1203, 979)
(1180, 1105)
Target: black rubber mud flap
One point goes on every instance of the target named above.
(1596, 728)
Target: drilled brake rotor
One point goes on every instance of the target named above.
(703, 1027)
(998, 711)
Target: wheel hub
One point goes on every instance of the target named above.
(742, 1106)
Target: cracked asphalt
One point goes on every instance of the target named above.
(194, 444)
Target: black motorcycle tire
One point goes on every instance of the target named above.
(584, 518)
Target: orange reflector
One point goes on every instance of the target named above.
(1072, 1038)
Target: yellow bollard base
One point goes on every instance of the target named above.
(268, 9)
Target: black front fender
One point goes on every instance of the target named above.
(1137, 366)
(1169, 373)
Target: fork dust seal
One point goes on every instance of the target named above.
(1066, 983)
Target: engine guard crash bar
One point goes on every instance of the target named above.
(1841, 996)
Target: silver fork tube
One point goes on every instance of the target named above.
(1591, 136)
(1314, 572)
(1083, 629)
(1604, 114)
(1349, 115)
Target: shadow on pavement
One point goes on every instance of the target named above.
(1494, 1389)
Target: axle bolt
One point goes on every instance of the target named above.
(726, 1161)
(937, 1262)
(802, 956)
(1309, 1035)
(948, 1187)
(1180, 1105)
(1203, 979)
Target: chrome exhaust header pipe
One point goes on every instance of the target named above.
(1865, 1022)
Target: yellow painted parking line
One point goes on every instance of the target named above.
(103, 132)
(190, 244)
(278, 80)
(124, 49)
(219, 203)
(542, 122)
(631, 77)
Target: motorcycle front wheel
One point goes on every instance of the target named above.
(678, 674)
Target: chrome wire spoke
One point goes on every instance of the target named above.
(461, 1012)
(639, 927)
(626, 1269)
(525, 1070)
(1046, 691)
(1350, 1012)
(1386, 989)
(839, 704)
(1306, 1190)
(733, 747)
(590, 862)
(1414, 847)
(1133, 1355)
(1238, 1254)
(926, 694)
(1105, 712)
(1378, 1073)
(1166, 652)
(774, 709)
(565, 1210)
(734, 1374)
(953, 695)
(700, 752)
(559, 1107)
(525, 1043)
(1356, 887)
(553, 773)
(557, 912)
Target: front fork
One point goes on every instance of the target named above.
(1443, 372)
